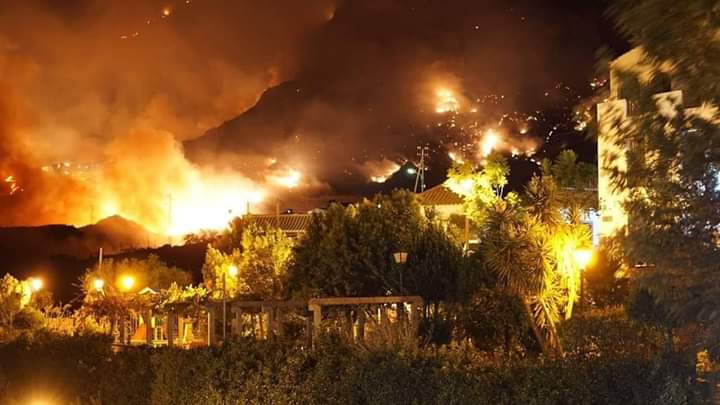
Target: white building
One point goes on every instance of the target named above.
(620, 109)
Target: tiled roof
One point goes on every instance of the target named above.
(440, 195)
(293, 223)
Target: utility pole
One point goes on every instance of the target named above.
(422, 151)
(100, 259)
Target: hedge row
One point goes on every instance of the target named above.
(86, 370)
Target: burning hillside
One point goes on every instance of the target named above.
(163, 120)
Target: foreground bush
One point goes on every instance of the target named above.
(60, 369)
(249, 372)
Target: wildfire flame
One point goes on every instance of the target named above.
(446, 102)
(289, 179)
(202, 203)
(489, 142)
(456, 157)
(210, 206)
(12, 184)
(379, 171)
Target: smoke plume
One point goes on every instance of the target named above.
(178, 114)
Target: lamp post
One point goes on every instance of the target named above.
(232, 270)
(582, 259)
(126, 284)
(98, 285)
(401, 259)
(36, 284)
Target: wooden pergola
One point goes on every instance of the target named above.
(377, 306)
(266, 318)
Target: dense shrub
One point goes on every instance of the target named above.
(63, 368)
(610, 332)
(492, 319)
(250, 372)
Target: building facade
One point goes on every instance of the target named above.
(615, 114)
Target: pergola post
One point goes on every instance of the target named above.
(170, 328)
(317, 320)
(349, 324)
(261, 325)
(361, 324)
(415, 310)
(123, 329)
(211, 338)
(384, 321)
(270, 311)
(148, 327)
(235, 318)
(308, 330)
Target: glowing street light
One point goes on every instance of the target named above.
(583, 257)
(233, 270)
(401, 259)
(36, 284)
(127, 282)
(98, 284)
(411, 170)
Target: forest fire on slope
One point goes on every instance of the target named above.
(145, 178)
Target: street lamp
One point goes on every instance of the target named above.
(127, 282)
(232, 270)
(401, 259)
(98, 284)
(582, 259)
(36, 284)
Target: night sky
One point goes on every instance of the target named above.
(341, 92)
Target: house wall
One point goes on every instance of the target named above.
(612, 153)
(444, 212)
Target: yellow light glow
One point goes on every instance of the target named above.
(209, 205)
(290, 179)
(583, 257)
(455, 157)
(446, 101)
(36, 284)
(39, 402)
(467, 186)
(98, 283)
(233, 270)
(127, 282)
(489, 142)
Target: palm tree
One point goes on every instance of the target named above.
(515, 248)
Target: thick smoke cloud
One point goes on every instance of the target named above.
(112, 86)
(337, 91)
(368, 86)
(185, 73)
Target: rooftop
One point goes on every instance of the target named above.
(290, 223)
(440, 195)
